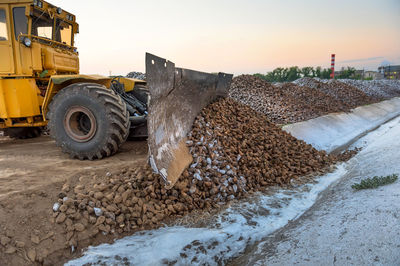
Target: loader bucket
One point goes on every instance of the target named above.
(177, 96)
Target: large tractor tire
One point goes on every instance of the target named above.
(23, 132)
(88, 121)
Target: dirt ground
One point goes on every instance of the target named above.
(30, 164)
(32, 172)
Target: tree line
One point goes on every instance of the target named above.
(288, 74)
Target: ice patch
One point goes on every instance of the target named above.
(98, 211)
(197, 176)
(56, 206)
(241, 224)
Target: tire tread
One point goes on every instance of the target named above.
(115, 109)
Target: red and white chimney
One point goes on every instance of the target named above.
(333, 66)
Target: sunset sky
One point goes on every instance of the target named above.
(235, 36)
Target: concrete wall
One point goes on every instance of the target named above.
(335, 131)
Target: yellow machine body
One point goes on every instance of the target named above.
(37, 59)
(20, 98)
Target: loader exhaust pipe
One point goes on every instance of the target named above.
(177, 96)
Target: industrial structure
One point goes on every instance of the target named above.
(390, 72)
(332, 66)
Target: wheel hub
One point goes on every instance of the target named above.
(80, 124)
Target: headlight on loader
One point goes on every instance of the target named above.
(38, 3)
(27, 42)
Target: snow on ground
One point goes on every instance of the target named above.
(346, 227)
(242, 224)
(247, 223)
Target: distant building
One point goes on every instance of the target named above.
(372, 74)
(362, 74)
(359, 74)
(390, 72)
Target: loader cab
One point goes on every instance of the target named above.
(36, 39)
(52, 28)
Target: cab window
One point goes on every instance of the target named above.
(63, 32)
(3, 26)
(42, 25)
(20, 21)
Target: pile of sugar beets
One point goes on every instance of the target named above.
(236, 151)
(301, 100)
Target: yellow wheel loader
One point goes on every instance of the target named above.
(90, 116)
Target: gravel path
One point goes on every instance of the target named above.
(345, 227)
